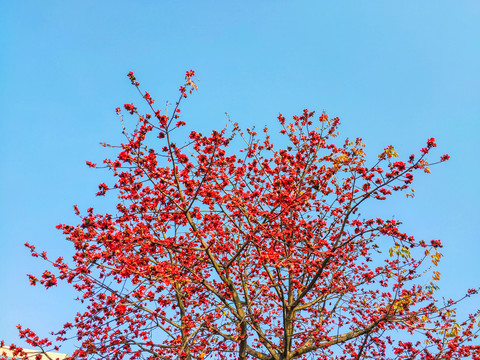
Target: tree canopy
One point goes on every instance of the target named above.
(256, 253)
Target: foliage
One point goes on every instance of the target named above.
(255, 253)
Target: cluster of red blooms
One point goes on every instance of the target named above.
(130, 108)
(260, 253)
(148, 98)
(133, 79)
(430, 143)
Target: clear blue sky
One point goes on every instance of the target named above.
(395, 72)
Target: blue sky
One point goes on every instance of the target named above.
(394, 72)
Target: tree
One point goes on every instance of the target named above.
(259, 253)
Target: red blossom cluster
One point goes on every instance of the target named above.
(130, 107)
(445, 157)
(258, 253)
(148, 98)
(133, 79)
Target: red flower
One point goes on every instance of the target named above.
(130, 107)
(431, 142)
(409, 178)
(436, 243)
(148, 98)
(103, 189)
(33, 280)
(445, 157)
(400, 165)
(132, 78)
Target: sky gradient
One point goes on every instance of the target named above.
(394, 72)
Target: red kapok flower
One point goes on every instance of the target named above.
(431, 142)
(436, 243)
(131, 77)
(130, 107)
(148, 97)
(400, 165)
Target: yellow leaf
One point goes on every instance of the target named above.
(453, 333)
(390, 151)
